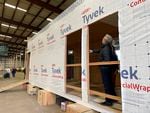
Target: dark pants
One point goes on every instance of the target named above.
(109, 84)
(13, 74)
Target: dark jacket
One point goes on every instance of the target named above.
(106, 53)
(14, 70)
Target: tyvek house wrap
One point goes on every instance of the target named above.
(48, 50)
(134, 31)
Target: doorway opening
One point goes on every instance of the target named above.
(73, 77)
(97, 30)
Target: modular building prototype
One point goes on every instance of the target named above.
(75, 32)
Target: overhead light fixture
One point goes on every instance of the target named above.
(49, 19)
(25, 40)
(34, 33)
(8, 36)
(5, 36)
(2, 35)
(21, 9)
(9, 5)
(5, 25)
(14, 7)
(14, 27)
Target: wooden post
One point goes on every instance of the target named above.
(85, 62)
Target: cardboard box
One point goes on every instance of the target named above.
(51, 98)
(46, 98)
(24, 86)
(77, 108)
(31, 90)
(40, 97)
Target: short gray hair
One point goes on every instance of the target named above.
(109, 38)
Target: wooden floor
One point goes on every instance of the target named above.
(74, 88)
(6, 82)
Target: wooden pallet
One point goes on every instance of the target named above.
(13, 85)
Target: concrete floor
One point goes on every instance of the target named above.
(18, 101)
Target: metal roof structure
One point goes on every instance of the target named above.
(20, 19)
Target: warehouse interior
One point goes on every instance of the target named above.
(74, 56)
(20, 20)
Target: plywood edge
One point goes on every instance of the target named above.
(13, 85)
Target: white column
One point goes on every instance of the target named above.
(16, 63)
(20, 60)
(12, 61)
(85, 64)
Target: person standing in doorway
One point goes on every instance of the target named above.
(107, 53)
(13, 72)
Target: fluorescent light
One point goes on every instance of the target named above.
(21, 9)
(8, 36)
(14, 7)
(9, 5)
(5, 36)
(25, 40)
(14, 27)
(5, 25)
(2, 35)
(34, 33)
(49, 19)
